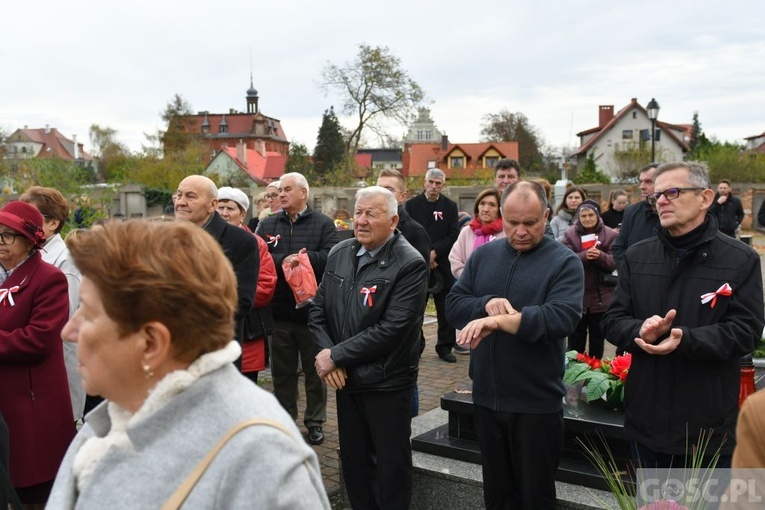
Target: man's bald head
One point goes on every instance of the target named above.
(195, 199)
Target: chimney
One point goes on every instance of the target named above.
(76, 148)
(231, 111)
(444, 142)
(606, 113)
(241, 153)
(260, 146)
(47, 129)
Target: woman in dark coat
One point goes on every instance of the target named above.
(34, 394)
(592, 241)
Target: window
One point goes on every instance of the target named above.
(223, 128)
(490, 161)
(627, 134)
(634, 115)
(645, 134)
(420, 134)
(428, 134)
(456, 162)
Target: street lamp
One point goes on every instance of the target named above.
(653, 114)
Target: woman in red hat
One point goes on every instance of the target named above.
(34, 394)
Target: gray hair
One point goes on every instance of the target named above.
(300, 180)
(274, 184)
(698, 173)
(435, 173)
(379, 191)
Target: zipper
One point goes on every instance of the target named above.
(493, 372)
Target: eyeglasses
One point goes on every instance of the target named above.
(669, 194)
(9, 237)
(272, 196)
(392, 189)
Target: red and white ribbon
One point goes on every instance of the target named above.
(438, 215)
(724, 290)
(8, 294)
(273, 239)
(368, 291)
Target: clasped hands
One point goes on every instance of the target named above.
(334, 376)
(656, 327)
(502, 316)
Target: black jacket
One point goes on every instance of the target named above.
(761, 214)
(669, 398)
(729, 214)
(242, 251)
(640, 222)
(414, 233)
(439, 219)
(374, 335)
(313, 231)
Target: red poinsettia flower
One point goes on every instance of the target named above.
(620, 365)
(594, 363)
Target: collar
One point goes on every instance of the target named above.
(374, 252)
(298, 215)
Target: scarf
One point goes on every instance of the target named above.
(485, 233)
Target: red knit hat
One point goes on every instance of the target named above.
(24, 219)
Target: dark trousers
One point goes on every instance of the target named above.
(375, 452)
(446, 334)
(578, 339)
(290, 342)
(519, 455)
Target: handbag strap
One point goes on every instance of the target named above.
(182, 492)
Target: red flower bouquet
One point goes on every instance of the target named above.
(603, 379)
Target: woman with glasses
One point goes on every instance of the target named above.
(34, 394)
(272, 200)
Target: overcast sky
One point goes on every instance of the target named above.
(117, 64)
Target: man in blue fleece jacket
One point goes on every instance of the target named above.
(516, 302)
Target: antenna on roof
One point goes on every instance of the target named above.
(251, 86)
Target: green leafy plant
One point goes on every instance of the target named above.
(603, 379)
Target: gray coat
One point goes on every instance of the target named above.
(56, 253)
(258, 468)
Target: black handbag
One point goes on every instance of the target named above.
(258, 324)
(608, 279)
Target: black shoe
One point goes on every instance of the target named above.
(458, 349)
(448, 357)
(315, 435)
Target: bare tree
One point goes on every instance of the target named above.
(373, 87)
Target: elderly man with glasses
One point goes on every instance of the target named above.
(688, 306)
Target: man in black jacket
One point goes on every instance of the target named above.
(296, 227)
(438, 214)
(727, 208)
(640, 220)
(195, 201)
(688, 306)
(366, 320)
